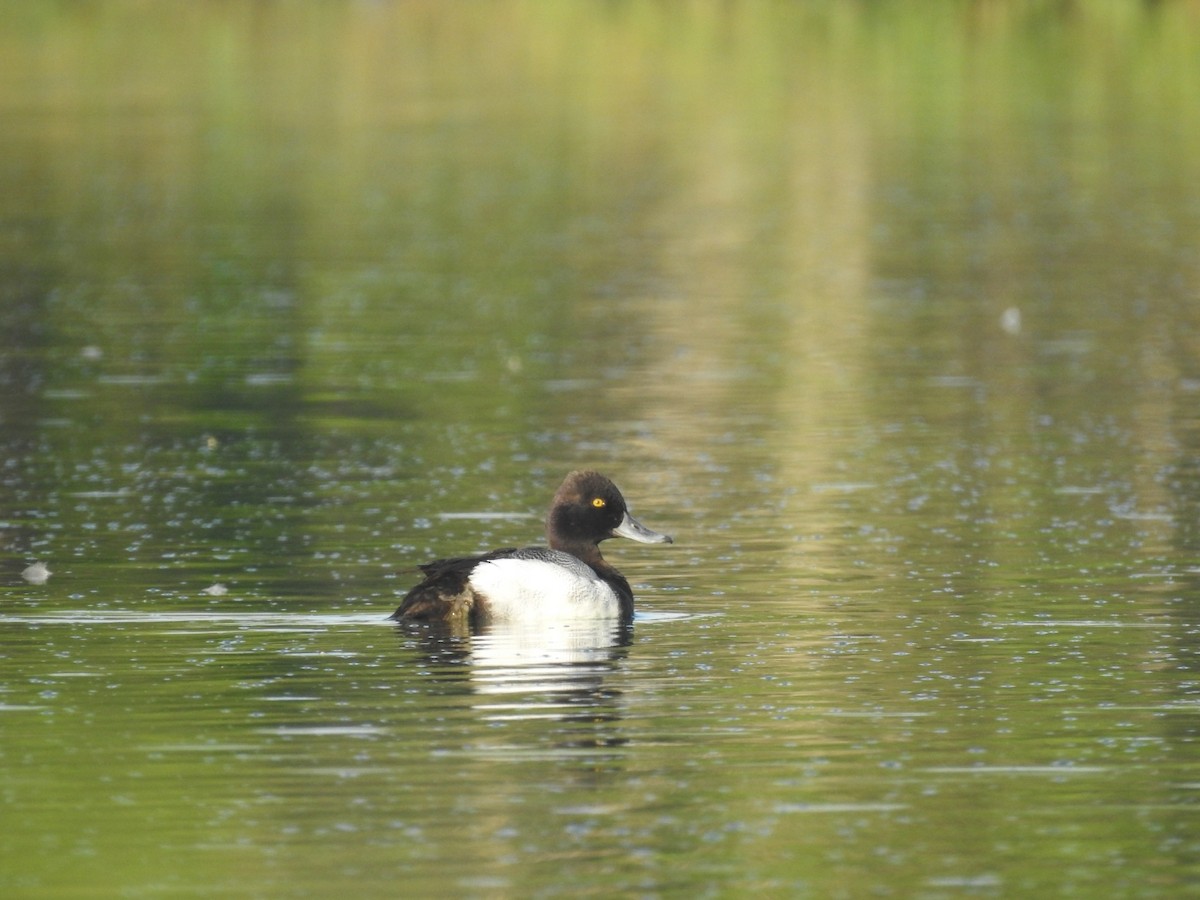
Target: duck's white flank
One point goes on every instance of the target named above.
(517, 589)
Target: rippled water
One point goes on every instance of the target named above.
(889, 316)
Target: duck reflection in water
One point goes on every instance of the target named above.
(524, 671)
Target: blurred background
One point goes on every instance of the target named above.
(668, 235)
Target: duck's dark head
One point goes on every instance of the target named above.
(588, 509)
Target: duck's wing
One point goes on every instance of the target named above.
(445, 594)
(573, 564)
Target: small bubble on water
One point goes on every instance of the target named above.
(1010, 320)
(38, 573)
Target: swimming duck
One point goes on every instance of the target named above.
(569, 579)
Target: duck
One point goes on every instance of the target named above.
(569, 579)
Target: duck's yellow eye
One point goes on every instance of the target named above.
(598, 502)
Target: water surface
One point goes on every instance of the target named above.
(891, 316)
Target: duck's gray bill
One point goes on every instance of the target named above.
(634, 530)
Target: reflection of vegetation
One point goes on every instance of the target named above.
(342, 213)
(347, 213)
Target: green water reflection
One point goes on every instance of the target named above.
(890, 314)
